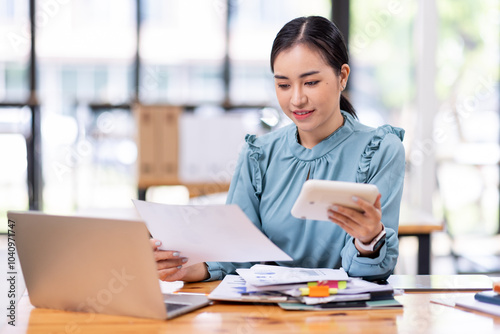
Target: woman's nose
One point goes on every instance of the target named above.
(298, 97)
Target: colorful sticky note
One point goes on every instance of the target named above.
(334, 284)
(307, 291)
(319, 291)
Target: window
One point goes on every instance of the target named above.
(86, 56)
(382, 84)
(90, 159)
(182, 51)
(254, 25)
(85, 53)
(467, 123)
(383, 88)
(14, 127)
(14, 50)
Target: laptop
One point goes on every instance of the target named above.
(94, 265)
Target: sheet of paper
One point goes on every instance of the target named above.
(358, 285)
(278, 287)
(231, 288)
(171, 287)
(335, 298)
(208, 233)
(473, 304)
(261, 275)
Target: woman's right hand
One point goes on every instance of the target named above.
(169, 263)
(171, 266)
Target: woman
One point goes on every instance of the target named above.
(310, 64)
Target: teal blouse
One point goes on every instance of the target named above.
(269, 175)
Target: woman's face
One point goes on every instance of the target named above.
(308, 91)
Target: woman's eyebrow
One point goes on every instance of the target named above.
(277, 76)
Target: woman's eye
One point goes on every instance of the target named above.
(283, 86)
(311, 83)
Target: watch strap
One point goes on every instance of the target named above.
(375, 244)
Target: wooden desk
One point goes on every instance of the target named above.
(421, 225)
(418, 316)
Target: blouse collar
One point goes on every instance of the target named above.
(325, 146)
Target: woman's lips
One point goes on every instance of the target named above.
(302, 114)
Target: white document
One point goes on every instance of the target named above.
(170, 287)
(262, 275)
(471, 303)
(204, 233)
(233, 288)
(335, 298)
(357, 285)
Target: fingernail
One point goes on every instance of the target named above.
(176, 254)
(158, 243)
(355, 198)
(334, 208)
(179, 267)
(184, 260)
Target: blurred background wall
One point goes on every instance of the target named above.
(71, 72)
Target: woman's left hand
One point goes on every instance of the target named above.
(364, 226)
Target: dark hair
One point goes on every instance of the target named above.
(321, 34)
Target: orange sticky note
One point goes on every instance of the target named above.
(319, 291)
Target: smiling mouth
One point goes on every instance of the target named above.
(301, 113)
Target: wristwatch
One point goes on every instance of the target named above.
(375, 244)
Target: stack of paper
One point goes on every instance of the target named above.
(304, 289)
(484, 301)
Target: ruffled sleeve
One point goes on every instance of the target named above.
(254, 154)
(383, 164)
(372, 147)
(245, 190)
